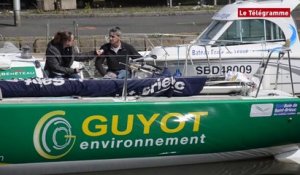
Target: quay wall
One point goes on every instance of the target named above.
(142, 42)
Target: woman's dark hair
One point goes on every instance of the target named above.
(61, 37)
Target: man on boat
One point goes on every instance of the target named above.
(115, 54)
(60, 55)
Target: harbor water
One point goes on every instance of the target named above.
(266, 166)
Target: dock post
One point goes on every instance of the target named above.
(17, 16)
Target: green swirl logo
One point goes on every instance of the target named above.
(52, 136)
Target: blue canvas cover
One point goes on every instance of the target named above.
(162, 86)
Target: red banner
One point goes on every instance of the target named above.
(264, 12)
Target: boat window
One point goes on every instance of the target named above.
(251, 31)
(232, 35)
(273, 32)
(212, 30)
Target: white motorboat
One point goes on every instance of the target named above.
(240, 38)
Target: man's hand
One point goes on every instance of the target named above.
(77, 70)
(99, 52)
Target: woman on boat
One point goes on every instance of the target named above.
(60, 55)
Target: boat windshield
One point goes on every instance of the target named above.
(211, 31)
(251, 31)
(243, 32)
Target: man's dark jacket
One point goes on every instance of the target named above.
(113, 59)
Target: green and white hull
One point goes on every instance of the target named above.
(90, 134)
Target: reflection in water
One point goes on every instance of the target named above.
(249, 167)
